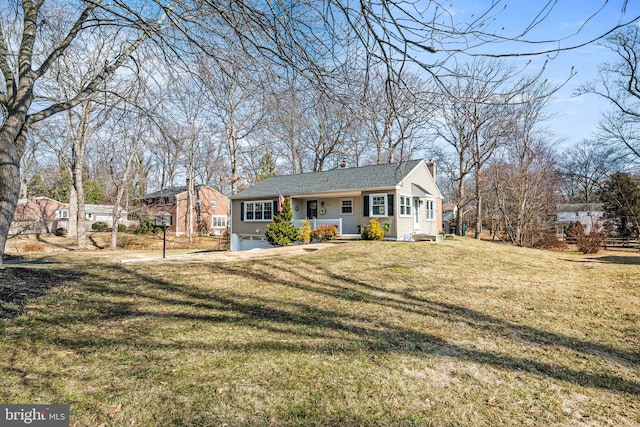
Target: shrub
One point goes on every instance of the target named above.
(33, 247)
(324, 233)
(549, 241)
(122, 228)
(99, 226)
(373, 230)
(587, 242)
(60, 232)
(147, 225)
(304, 232)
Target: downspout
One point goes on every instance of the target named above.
(177, 216)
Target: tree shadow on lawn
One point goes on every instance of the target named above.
(18, 285)
(331, 329)
(617, 259)
(609, 259)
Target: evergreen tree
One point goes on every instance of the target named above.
(621, 198)
(267, 167)
(281, 231)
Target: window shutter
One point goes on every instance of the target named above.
(390, 204)
(275, 208)
(365, 204)
(241, 211)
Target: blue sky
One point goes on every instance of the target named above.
(574, 118)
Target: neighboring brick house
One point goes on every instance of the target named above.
(39, 215)
(210, 209)
(44, 215)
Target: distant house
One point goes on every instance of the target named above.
(210, 209)
(588, 214)
(403, 196)
(44, 215)
(449, 213)
(103, 213)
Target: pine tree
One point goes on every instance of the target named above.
(281, 231)
(621, 198)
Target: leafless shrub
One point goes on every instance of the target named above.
(588, 241)
(33, 247)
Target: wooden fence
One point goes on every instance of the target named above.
(612, 242)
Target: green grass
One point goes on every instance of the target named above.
(364, 333)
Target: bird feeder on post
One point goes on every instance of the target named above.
(164, 220)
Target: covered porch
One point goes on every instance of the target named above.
(338, 209)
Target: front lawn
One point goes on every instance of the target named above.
(363, 333)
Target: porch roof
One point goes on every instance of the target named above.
(334, 181)
(418, 191)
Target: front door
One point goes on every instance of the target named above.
(416, 214)
(312, 209)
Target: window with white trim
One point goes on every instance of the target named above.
(219, 221)
(405, 205)
(430, 210)
(378, 205)
(261, 210)
(346, 206)
(214, 203)
(62, 213)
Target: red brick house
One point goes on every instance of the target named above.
(44, 215)
(39, 215)
(209, 211)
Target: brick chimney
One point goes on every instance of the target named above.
(432, 168)
(344, 164)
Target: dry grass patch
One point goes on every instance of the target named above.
(365, 333)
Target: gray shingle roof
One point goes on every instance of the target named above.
(580, 207)
(343, 179)
(166, 192)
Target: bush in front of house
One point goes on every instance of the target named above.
(281, 231)
(373, 230)
(147, 225)
(304, 232)
(122, 228)
(324, 233)
(99, 226)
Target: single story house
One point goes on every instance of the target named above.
(45, 215)
(403, 196)
(103, 213)
(210, 209)
(588, 214)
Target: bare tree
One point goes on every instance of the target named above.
(471, 121)
(618, 83)
(26, 57)
(234, 90)
(583, 169)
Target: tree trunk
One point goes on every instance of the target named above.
(233, 154)
(12, 144)
(79, 145)
(122, 186)
(478, 230)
